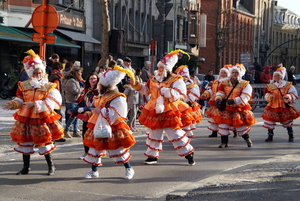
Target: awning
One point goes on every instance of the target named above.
(78, 36)
(60, 41)
(9, 33)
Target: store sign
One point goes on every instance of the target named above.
(71, 21)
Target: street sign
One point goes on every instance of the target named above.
(37, 37)
(48, 1)
(44, 19)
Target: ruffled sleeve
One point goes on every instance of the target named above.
(117, 108)
(52, 101)
(176, 92)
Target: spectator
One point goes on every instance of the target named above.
(133, 102)
(248, 76)
(85, 103)
(53, 58)
(266, 75)
(209, 77)
(146, 73)
(68, 68)
(291, 76)
(127, 64)
(56, 77)
(63, 64)
(23, 75)
(257, 72)
(120, 62)
(194, 78)
(73, 86)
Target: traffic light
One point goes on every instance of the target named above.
(1, 20)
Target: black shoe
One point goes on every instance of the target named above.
(61, 140)
(150, 161)
(269, 139)
(213, 134)
(223, 145)
(249, 142)
(23, 171)
(291, 137)
(190, 159)
(51, 170)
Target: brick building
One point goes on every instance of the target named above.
(229, 33)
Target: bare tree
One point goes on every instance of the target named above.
(105, 33)
(222, 31)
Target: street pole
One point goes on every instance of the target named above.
(163, 24)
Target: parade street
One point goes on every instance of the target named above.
(170, 177)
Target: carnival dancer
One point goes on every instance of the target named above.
(166, 112)
(237, 114)
(111, 110)
(281, 96)
(211, 95)
(36, 121)
(193, 94)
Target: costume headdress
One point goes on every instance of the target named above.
(169, 60)
(113, 76)
(183, 70)
(32, 62)
(240, 68)
(225, 68)
(281, 71)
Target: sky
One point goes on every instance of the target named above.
(292, 5)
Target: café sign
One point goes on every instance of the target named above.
(71, 21)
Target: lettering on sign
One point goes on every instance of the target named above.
(74, 21)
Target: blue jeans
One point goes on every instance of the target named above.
(70, 121)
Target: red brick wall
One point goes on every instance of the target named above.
(239, 41)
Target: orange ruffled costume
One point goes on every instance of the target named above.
(234, 115)
(41, 128)
(196, 108)
(276, 110)
(176, 114)
(121, 133)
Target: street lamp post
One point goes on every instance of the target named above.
(264, 61)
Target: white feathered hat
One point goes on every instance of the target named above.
(32, 62)
(169, 60)
(240, 68)
(183, 70)
(112, 77)
(225, 68)
(281, 71)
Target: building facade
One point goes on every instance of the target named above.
(72, 42)
(286, 36)
(229, 34)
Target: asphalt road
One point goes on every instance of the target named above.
(236, 166)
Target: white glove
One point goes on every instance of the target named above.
(80, 110)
